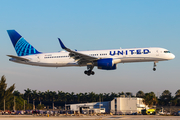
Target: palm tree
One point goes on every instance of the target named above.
(48, 95)
(140, 94)
(34, 94)
(106, 96)
(166, 93)
(165, 98)
(78, 97)
(176, 100)
(177, 93)
(129, 94)
(72, 97)
(54, 95)
(101, 97)
(60, 95)
(27, 94)
(5, 93)
(40, 96)
(120, 93)
(84, 97)
(113, 95)
(16, 93)
(92, 97)
(150, 99)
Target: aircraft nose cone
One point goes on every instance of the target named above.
(172, 56)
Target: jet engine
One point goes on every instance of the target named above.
(108, 63)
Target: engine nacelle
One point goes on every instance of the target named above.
(107, 63)
(108, 68)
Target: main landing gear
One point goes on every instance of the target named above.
(89, 72)
(154, 68)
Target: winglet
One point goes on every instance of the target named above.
(61, 43)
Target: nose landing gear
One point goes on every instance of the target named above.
(154, 68)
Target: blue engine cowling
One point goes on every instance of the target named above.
(106, 64)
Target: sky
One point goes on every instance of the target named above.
(92, 25)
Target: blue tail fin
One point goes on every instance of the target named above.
(21, 46)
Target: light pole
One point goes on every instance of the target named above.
(14, 104)
(24, 106)
(170, 107)
(33, 105)
(100, 104)
(4, 105)
(53, 105)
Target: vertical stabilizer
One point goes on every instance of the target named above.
(21, 46)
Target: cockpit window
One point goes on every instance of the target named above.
(167, 52)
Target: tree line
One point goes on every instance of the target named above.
(60, 98)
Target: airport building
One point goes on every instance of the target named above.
(127, 105)
(119, 105)
(86, 108)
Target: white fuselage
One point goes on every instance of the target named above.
(62, 59)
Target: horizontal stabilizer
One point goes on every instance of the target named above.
(18, 58)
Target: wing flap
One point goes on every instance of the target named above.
(76, 55)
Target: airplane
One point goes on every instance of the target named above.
(102, 59)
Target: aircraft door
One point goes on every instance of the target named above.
(38, 58)
(157, 52)
(124, 55)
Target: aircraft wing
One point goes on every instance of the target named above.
(81, 58)
(18, 58)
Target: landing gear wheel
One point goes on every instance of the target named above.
(89, 72)
(154, 68)
(85, 72)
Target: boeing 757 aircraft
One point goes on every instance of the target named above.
(103, 59)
